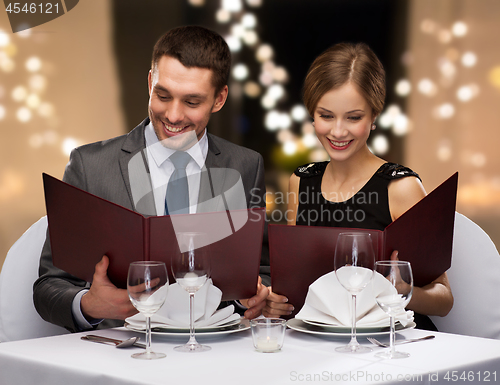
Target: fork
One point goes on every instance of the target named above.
(378, 343)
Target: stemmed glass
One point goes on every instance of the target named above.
(354, 262)
(400, 276)
(191, 269)
(147, 286)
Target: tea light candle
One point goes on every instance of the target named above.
(268, 344)
(268, 334)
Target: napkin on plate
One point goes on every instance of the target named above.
(328, 302)
(175, 310)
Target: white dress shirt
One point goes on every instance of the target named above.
(161, 169)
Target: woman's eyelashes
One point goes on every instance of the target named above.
(351, 118)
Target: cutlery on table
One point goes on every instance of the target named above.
(378, 343)
(111, 341)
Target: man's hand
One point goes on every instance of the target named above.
(257, 302)
(276, 305)
(105, 300)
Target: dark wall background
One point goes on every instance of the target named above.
(298, 30)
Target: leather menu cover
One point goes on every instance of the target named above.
(84, 227)
(423, 235)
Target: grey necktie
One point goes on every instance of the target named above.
(177, 197)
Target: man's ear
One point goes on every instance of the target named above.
(149, 82)
(220, 99)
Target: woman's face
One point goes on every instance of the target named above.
(342, 121)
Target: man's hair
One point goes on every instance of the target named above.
(346, 63)
(195, 46)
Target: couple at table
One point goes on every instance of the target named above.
(344, 93)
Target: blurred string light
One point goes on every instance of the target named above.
(459, 29)
(494, 76)
(469, 59)
(26, 103)
(232, 5)
(444, 111)
(449, 67)
(4, 39)
(69, 144)
(240, 71)
(254, 3)
(467, 92)
(444, 152)
(268, 83)
(33, 64)
(380, 144)
(23, 114)
(403, 87)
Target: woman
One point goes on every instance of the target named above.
(344, 92)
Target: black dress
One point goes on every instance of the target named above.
(368, 208)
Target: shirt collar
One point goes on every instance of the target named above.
(160, 153)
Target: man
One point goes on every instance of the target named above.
(187, 83)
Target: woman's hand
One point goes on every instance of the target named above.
(432, 299)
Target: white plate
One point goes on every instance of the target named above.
(342, 328)
(239, 326)
(301, 326)
(168, 327)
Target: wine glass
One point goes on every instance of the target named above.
(147, 286)
(191, 269)
(354, 262)
(400, 276)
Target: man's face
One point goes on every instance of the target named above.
(181, 101)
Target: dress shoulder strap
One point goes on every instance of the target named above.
(395, 171)
(311, 169)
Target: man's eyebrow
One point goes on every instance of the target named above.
(159, 87)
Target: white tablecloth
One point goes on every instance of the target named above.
(305, 359)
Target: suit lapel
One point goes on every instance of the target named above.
(211, 189)
(135, 171)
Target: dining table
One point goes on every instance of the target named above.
(305, 358)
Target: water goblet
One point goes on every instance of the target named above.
(399, 274)
(354, 262)
(191, 269)
(147, 286)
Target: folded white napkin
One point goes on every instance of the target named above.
(175, 310)
(329, 302)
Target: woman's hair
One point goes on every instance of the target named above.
(341, 64)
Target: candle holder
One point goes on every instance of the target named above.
(268, 334)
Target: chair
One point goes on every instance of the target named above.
(475, 282)
(18, 318)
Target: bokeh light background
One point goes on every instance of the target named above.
(83, 78)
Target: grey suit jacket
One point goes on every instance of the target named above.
(105, 169)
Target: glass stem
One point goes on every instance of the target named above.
(354, 342)
(148, 335)
(392, 337)
(192, 339)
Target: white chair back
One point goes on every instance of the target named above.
(475, 282)
(18, 318)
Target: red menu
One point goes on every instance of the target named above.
(423, 236)
(84, 227)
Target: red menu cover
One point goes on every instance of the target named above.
(423, 236)
(84, 227)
